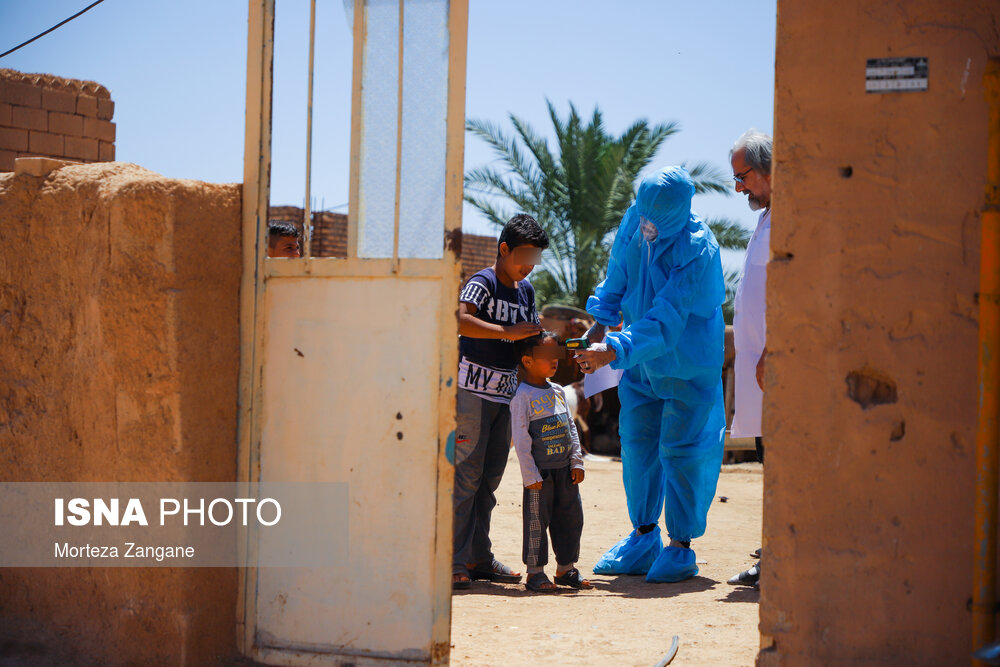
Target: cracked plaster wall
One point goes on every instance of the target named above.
(870, 409)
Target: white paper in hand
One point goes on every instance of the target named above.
(603, 378)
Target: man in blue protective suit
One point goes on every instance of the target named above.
(665, 285)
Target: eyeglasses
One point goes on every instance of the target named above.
(739, 177)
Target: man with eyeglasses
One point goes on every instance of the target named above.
(751, 161)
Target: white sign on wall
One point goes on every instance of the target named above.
(895, 75)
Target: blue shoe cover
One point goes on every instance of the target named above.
(633, 555)
(673, 564)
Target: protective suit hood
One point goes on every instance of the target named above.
(664, 198)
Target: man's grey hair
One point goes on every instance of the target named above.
(756, 150)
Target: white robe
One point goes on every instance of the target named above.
(750, 330)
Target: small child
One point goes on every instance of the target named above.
(548, 449)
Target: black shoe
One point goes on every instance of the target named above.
(750, 577)
(495, 571)
(539, 583)
(756, 554)
(573, 579)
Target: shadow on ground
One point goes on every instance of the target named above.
(625, 586)
(741, 594)
(637, 587)
(511, 590)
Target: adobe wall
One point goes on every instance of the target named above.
(870, 409)
(119, 324)
(49, 116)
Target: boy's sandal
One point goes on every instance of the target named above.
(496, 572)
(460, 580)
(572, 579)
(539, 583)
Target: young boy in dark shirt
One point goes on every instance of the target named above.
(548, 449)
(283, 240)
(496, 308)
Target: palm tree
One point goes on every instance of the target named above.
(732, 279)
(579, 195)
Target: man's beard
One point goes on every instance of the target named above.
(754, 203)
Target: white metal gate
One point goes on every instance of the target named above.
(347, 365)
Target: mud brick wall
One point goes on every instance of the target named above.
(871, 381)
(120, 363)
(48, 116)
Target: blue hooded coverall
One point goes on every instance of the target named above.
(669, 292)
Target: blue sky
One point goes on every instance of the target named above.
(176, 71)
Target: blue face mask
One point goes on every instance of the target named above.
(648, 229)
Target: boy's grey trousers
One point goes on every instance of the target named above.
(556, 508)
(482, 443)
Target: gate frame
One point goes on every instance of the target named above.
(256, 272)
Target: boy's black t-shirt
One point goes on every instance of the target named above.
(488, 367)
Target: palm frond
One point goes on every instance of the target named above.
(539, 148)
(495, 183)
(507, 149)
(732, 279)
(729, 233)
(708, 178)
(494, 214)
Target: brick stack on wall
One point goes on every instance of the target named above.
(48, 116)
(478, 252)
(330, 238)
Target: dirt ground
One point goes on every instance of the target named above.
(623, 620)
